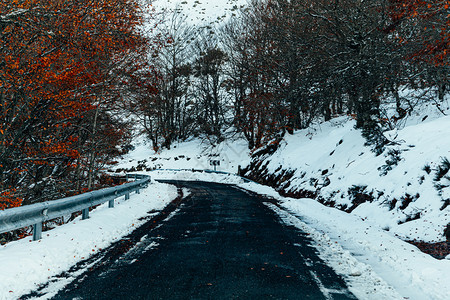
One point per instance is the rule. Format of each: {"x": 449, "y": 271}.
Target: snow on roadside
{"x": 363, "y": 282}
{"x": 375, "y": 263}
{"x": 194, "y": 176}
{"x": 359, "y": 250}
{"x": 193, "y": 154}
{"x": 398, "y": 188}
{"x": 26, "y": 264}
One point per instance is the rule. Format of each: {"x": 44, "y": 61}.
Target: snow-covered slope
{"x": 194, "y": 154}
{"x": 200, "y": 11}
{"x": 397, "y": 190}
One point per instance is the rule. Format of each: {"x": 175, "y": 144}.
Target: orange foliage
{"x": 8, "y": 200}
{"x": 56, "y": 64}
{"x": 434, "y": 19}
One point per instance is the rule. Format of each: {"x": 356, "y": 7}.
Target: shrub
{"x": 393, "y": 158}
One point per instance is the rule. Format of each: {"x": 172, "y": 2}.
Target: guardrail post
{"x": 37, "y": 231}
{"x": 85, "y": 214}
{"x": 127, "y": 196}
{"x": 111, "y": 203}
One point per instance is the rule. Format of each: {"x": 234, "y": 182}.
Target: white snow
{"x": 194, "y": 154}
{"x": 334, "y": 152}
{"x": 201, "y": 11}
{"x": 375, "y": 263}
{"x": 26, "y": 264}
{"x": 365, "y": 246}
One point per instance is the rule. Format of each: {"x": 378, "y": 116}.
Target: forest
{"x": 79, "y": 77}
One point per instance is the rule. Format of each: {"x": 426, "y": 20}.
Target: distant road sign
{"x": 214, "y": 163}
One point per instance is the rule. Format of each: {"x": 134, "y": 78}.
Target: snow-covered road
{"x": 220, "y": 242}
{"x": 374, "y": 263}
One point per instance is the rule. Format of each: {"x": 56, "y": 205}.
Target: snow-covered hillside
{"x": 404, "y": 190}
{"x": 199, "y": 11}
{"x": 194, "y": 154}
{"x": 382, "y": 200}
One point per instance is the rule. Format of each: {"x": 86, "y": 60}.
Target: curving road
{"x": 218, "y": 243}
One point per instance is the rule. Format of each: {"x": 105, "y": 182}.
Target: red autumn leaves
{"x": 59, "y": 64}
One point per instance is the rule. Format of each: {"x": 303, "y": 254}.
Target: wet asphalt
{"x": 219, "y": 242}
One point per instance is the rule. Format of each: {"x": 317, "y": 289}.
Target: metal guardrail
{"x": 246, "y": 180}
{"x": 35, "y": 214}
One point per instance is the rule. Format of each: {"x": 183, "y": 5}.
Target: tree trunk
{"x": 442, "y": 81}
{"x": 93, "y": 155}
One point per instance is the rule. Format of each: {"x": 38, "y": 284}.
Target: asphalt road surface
{"x": 217, "y": 243}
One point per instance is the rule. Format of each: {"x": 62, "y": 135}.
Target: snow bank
{"x": 194, "y": 154}
{"x": 331, "y": 159}
{"x": 195, "y": 176}
{"x": 26, "y": 264}
{"x": 375, "y": 263}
